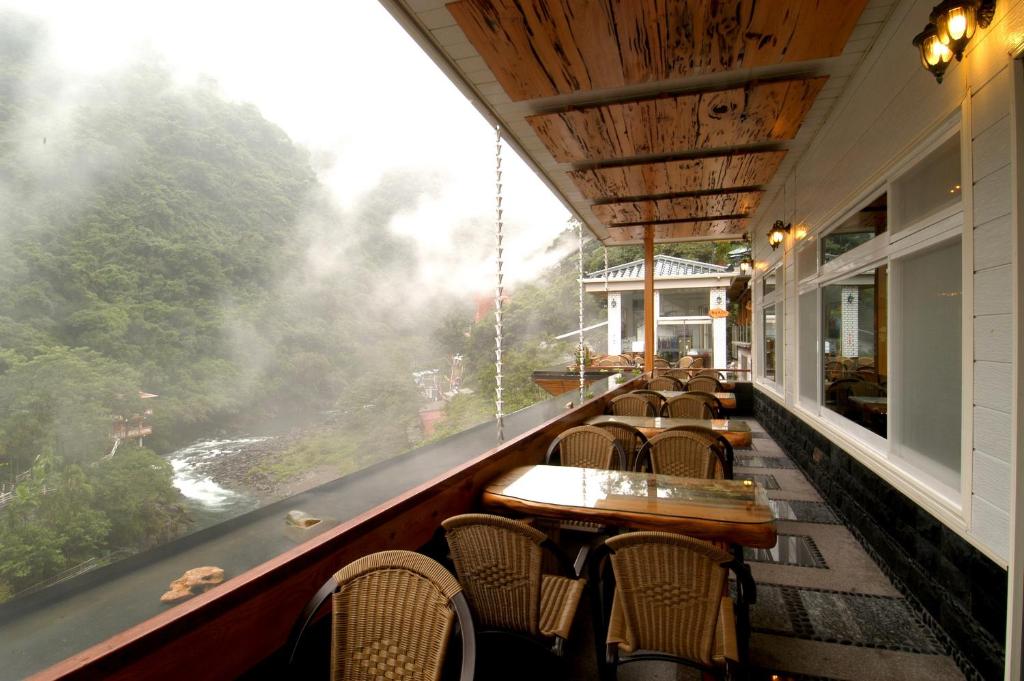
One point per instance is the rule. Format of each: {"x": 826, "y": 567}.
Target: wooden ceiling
{"x": 650, "y": 106}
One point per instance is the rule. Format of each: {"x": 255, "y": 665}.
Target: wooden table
{"x": 731, "y": 511}
{"x": 728, "y": 400}
{"x": 735, "y": 431}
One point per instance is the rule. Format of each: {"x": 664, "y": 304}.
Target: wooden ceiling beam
{"x": 708, "y": 173}
{"x": 545, "y": 48}
{"x": 762, "y": 112}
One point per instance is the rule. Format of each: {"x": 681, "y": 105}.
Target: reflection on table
{"x": 731, "y": 511}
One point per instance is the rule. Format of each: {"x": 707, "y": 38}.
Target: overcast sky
{"x": 343, "y": 78}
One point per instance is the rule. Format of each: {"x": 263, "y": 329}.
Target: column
{"x": 720, "y": 352}
{"x": 614, "y": 323}
{"x": 850, "y": 340}
{"x": 649, "y": 298}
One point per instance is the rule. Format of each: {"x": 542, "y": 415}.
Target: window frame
{"x": 777, "y": 298}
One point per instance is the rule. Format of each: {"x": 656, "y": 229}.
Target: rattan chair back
{"x": 653, "y": 396}
{"x": 631, "y": 405}
{"x": 587, "y": 447}
{"x": 393, "y": 615}
{"x": 722, "y": 447}
{"x": 712, "y": 373}
{"x": 630, "y": 439}
{"x": 681, "y": 375}
{"x": 682, "y": 453}
{"x": 668, "y": 595}
{"x": 707, "y": 384}
{"x": 498, "y": 562}
{"x": 698, "y": 363}
{"x": 685, "y": 361}
{"x": 687, "y": 406}
{"x": 661, "y": 363}
{"x": 664, "y": 383}
{"x": 714, "y": 404}
{"x": 866, "y": 389}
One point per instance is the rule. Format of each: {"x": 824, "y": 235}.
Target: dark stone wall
{"x": 962, "y": 591}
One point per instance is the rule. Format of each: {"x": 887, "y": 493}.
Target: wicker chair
{"x": 664, "y": 383}
{"x": 587, "y": 447}
{"x": 687, "y": 406}
{"x": 393, "y": 614}
{"x": 717, "y": 375}
{"x": 698, "y": 363}
{"x": 714, "y": 404}
{"x": 629, "y": 438}
{"x": 684, "y": 454}
{"x": 661, "y": 363}
{"x": 722, "y": 446}
{"x": 669, "y": 604}
{"x": 631, "y": 405}
{"x": 498, "y": 562}
{"x": 681, "y": 375}
{"x": 656, "y": 399}
{"x": 706, "y": 384}
{"x": 685, "y": 361}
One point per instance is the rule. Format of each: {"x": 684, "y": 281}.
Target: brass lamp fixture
{"x": 777, "y": 234}
{"x": 952, "y": 25}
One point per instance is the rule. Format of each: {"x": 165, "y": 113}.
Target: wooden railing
{"x": 233, "y": 627}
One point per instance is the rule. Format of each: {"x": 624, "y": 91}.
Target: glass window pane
{"x": 859, "y": 228}
{"x": 772, "y": 341}
{"x": 677, "y": 340}
{"x": 768, "y": 283}
{"x": 807, "y": 259}
{"x": 930, "y": 302}
{"x": 684, "y": 303}
{"x": 808, "y": 347}
{"x": 931, "y": 185}
{"x": 854, "y": 346}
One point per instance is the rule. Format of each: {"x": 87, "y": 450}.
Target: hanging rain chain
{"x": 499, "y": 413}
{"x": 606, "y": 272}
{"x": 579, "y": 262}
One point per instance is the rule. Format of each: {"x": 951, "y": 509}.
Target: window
{"x": 684, "y": 303}
{"x": 854, "y": 332}
{"x": 768, "y": 283}
{"x": 928, "y": 350}
{"x": 808, "y": 334}
{"x": 807, "y": 259}
{"x": 859, "y": 228}
{"x": 772, "y": 346}
{"x": 931, "y": 185}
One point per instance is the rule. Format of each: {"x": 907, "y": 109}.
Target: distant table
{"x": 735, "y": 431}
{"x": 875, "y": 405}
{"x": 731, "y": 511}
{"x": 728, "y": 400}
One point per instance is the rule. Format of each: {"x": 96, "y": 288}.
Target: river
{"x": 207, "y": 501}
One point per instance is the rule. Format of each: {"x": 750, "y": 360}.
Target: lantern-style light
{"x": 935, "y": 56}
{"x": 777, "y": 234}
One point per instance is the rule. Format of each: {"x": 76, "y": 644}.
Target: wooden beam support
{"x": 649, "y": 298}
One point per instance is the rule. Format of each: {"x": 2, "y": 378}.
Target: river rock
{"x": 301, "y": 519}
{"x": 196, "y": 580}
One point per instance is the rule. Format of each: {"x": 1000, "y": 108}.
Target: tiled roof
{"x": 664, "y": 266}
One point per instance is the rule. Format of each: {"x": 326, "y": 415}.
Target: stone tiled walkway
{"x": 824, "y": 609}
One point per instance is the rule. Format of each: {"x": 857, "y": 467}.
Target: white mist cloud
{"x": 343, "y": 79}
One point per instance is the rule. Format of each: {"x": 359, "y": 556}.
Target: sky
{"x": 342, "y": 78}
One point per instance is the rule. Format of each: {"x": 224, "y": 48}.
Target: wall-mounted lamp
{"x": 746, "y": 267}
{"x": 777, "y": 234}
{"x": 952, "y": 25}
{"x": 613, "y": 303}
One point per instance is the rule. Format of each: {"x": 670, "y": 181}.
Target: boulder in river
{"x": 301, "y": 519}
{"x": 194, "y": 581}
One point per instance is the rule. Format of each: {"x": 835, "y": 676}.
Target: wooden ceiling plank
{"x": 707, "y": 173}
{"x": 544, "y": 48}
{"x": 681, "y": 231}
{"x": 687, "y": 207}
{"x": 763, "y": 112}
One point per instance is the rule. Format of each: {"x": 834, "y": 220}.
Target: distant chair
{"x": 393, "y": 610}
{"x": 698, "y": 363}
{"x": 706, "y": 384}
{"x": 714, "y": 404}
{"x": 685, "y": 361}
{"x": 661, "y": 363}
{"x": 630, "y": 439}
{"x": 687, "y": 406}
{"x": 631, "y": 405}
{"x": 866, "y": 389}
{"x": 587, "y": 447}
{"x": 656, "y": 399}
{"x": 669, "y": 603}
{"x": 684, "y": 454}
{"x": 681, "y": 375}
{"x": 664, "y": 383}
{"x": 865, "y": 362}
{"x": 710, "y": 373}
{"x": 834, "y": 371}
{"x": 613, "y": 361}
{"x": 498, "y": 562}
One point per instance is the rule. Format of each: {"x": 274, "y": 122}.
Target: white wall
{"x": 889, "y": 108}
